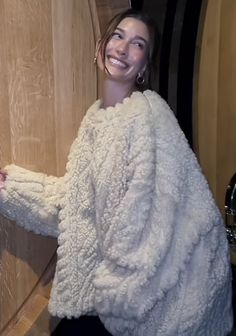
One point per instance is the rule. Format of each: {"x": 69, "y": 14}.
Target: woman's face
{"x": 127, "y": 51}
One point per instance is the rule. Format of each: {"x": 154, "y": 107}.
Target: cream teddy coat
{"x": 141, "y": 241}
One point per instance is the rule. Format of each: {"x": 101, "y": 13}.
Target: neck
{"x": 114, "y": 92}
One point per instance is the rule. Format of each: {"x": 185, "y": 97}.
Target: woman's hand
{"x": 3, "y": 176}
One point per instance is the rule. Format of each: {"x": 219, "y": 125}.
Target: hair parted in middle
{"x": 152, "y": 47}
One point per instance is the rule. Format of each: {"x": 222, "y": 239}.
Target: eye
{"x": 139, "y": 44}
{"x": 117, "y": 36}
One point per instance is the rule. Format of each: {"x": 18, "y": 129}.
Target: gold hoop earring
{"x": 95, "y": 60}
{"x": 140, "y": 79}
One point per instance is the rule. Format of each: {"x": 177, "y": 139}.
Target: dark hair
{"x": 154, "y": 41}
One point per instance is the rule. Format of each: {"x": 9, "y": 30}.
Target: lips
{"x": 116, "y": 62}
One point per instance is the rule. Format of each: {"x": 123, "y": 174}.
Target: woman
{"x": 141, "y": 241}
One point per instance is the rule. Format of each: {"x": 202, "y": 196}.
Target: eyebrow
{"x": 136, "y": 36}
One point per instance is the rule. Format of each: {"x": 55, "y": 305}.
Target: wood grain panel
{"x": 47, "y": 82}
{"x": 206, "y": 90}
{"x": 22, "y": 264}
{"x": 5, "y": 138}
{"x": 30, "y": 74}
{"x": 226, "y": 127}
{"x": 74, "y": 71}
{"x": 215, "y": 103}
{"x": 107, "y": 9}
{"x": 29, "y": 134}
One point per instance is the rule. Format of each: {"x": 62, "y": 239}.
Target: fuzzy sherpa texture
{"x": 141, "y": 241}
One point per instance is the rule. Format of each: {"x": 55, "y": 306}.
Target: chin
{"x": 120, "y": 76}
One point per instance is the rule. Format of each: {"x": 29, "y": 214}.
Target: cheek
{"x": 110, "y": 46}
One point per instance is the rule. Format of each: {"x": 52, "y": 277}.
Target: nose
{"x": 122, "y": 48}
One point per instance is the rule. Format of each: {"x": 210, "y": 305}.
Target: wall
{"x": 215, "y": 99}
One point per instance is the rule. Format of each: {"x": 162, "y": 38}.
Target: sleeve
{"x": 152, "y": 233}
{"x": 32, "y": 199}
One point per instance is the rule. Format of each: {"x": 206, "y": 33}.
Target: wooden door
{"x": 47, "y": 82}
{"x": 215, "y": 98}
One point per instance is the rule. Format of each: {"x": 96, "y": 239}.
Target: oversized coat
{"x": 141, "y": 241}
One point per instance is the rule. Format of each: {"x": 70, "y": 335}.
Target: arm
{"x": 32, "y": 199}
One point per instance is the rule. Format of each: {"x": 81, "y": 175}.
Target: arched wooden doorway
{"x": 47, "y": 82}
{"x": 215, "y": 99}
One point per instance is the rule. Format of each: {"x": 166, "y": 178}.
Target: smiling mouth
{"x": 117, "y": 62}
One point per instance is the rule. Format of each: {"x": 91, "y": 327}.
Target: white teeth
{"x": 117, "y": 62}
